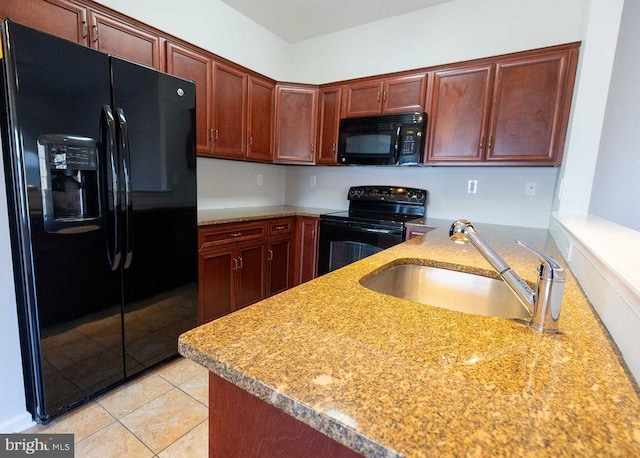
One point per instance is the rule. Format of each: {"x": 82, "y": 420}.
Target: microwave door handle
{"x": 398, "y": 145}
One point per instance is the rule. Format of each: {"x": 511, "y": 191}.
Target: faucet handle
{"x": 549, "y": 267}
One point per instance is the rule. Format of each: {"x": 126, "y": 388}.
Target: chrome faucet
{"x": 544, "y": 303}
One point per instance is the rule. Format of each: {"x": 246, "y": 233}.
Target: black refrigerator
{"x": 100, "y": 167}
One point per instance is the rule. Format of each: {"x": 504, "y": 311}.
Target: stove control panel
{"x": 394, "y": 194}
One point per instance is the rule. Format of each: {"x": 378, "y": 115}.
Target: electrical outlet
{"x": 531, "y": 189}
{"x": 260, "y": 180}
{"x": 472, "y": 186}
{"x": 312, "y": 181}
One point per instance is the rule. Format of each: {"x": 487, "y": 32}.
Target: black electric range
{"x": 375, "y": 220}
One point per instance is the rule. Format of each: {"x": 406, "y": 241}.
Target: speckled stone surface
{"x": 240, "y": 214}
{"x": 388, "y": 377}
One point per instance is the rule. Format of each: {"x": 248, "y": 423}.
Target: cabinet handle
{"x": 235, "y": 263}
{"x": 490, "y": 145}
{"x": 240, "y": 262}
{"x": 214, "y": 133}
{"x": 85, "y": 29}
{"x": 313, "y": 148}
{"x": 313, "y": 233}
{"x": 250, "y": 141}
{"x": 378, "y": 96}
{"x": 481, "y": 143}
{"x": 95, "y": 33}
{"x": 384, "y": 96}
{"x": 236, "y": 234}
{"x": 278, "y": 228}
{"x": 270, "y": 255}
{"x": 333, "y": 147}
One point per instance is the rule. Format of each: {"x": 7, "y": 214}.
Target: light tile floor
{"x": 161, "y": 414}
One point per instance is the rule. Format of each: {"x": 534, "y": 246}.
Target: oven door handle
{"x": 378, "y": 231}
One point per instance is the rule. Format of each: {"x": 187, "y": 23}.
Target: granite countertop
{"x": 389, "y": 377}
{"x": 240, "y": 214}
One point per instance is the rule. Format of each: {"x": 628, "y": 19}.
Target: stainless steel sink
{"x": 449, "y": 289}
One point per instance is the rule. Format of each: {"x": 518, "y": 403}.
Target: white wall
{"x": 13, "y": 417}
{"x": 615, "y": 195}
{"x": 500, "y": 198}
{"x": 213, "y": 25}
{"x": 445, "y": 33}
{"x": 601, "y": 23}
{"x": 224, "y": 183}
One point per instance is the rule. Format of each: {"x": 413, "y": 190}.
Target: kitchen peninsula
{"x": 388, "y": 377}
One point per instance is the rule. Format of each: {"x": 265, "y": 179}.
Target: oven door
{"x": 343, "y": 242}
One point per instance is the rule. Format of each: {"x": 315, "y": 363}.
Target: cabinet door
{"x": 404, "y": 94}
{"x": 278, "y": 265}
{"x": 62, "y": 18}
{"x": 229, "y": 100}
{"x": 306, "y": 249}
{"x": 122, "y": 40}
{"x": 363, "y": 99}
{"x": 261, "y": 100}
{"x": 329, "y": 124}
{"x": 296, "y": 112}
{"x": 527, "y": 106}
{"x": 250, "y": 274}
{"x": 459, "y": 112}
{"x": 191, "y": 65}
{"x": 216, "y": 283}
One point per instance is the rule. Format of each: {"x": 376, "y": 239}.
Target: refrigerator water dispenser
{"x": 69, "y": 175}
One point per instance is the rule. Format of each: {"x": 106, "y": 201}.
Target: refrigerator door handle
{"x": 114, "y": 252}
{"x": 126, "y": 164}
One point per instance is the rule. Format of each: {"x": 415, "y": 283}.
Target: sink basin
{"x": 449, "y": 289}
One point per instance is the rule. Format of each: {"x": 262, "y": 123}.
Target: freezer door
{"x": 68, "y": 294}
{"x": 155, "y": 113}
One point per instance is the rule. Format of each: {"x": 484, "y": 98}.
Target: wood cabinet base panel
{"x": 241, "y": 426}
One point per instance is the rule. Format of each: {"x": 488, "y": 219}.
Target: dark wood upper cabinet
{"x": 122, "y": 40}
{"x": 63, "y": 18}
{"x": 329, "y": 106}
{"x": 404, "y": 94}
{"x": 458, "y": 115}
{"x": 511, "y": 109}
{"x": 508, "y": 111}
{"x": 260, "y": 113}
{"x": 391, "y": 95}
{"x": 364, "y": 98}
{"x": 528, "y": 102}
{"x": 229, "y": 102}
{"x": 189, "y": 64}
{"x": 296, "y": 114}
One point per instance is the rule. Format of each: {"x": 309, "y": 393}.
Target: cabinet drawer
{"x": 280, "y": 226}
{"x": 216, "y": 235}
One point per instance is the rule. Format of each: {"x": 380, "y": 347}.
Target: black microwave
{"x": 382, "y": 140}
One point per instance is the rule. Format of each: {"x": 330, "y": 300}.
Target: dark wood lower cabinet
{"x": 249, "y": 269}
{"x": 242, "y": 425}
{"x": 306, "y": 249}
{"x": 279, "y": 255}
{"x": 242, "y": 263}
